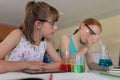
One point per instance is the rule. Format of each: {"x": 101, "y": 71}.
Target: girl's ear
{"x": 37, "y": 24}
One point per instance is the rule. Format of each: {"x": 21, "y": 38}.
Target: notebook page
{"x": 78, "y": 76}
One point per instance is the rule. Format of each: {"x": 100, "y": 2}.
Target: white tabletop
{"x": 109, "y": 77}
{"x": 20, "y": 75}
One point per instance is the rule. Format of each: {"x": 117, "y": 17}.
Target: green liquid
{"x": 77, "y": 68}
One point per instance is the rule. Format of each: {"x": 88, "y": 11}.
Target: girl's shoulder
{"x": 64, "y": 40}
{"x": 14, "y": 36}
{"x": 65, "y": 37}
{"x": 17, "y": 32}
{"x": 12, "y": 40}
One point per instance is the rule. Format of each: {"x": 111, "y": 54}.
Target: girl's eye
{"x": 91, "y": 33}
{"x": 52, "y": 23}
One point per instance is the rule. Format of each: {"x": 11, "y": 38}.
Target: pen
{"x": 109, "y": 74}
{"x": 51, "y": 76}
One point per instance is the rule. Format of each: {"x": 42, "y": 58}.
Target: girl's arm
{"x": 5, "y": 47}
{"x": 9, "y": 43}
{"x": 64, "y": 45}
{"x": 93, "y": 65}
{"x": 51, "y": 51}
{"x": 89, "y": 56}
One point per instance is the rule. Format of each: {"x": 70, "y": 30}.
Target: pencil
{"x": 50, "y": 76}
{"x": 109, "y": 74}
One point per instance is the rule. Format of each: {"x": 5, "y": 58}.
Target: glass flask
{"x": 66, "y": 63}
{"x": 105, "y": 60}
{"x": 77, "y": 64}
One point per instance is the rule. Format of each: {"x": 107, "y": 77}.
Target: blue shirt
{"x": 72, "y": 47}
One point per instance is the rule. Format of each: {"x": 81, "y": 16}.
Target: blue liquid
{"x": 105, "y": 63}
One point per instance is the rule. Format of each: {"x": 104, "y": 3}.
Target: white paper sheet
{"x": 115, "y": 71}
{"x": 78, "y": 76}
{"x": 20, "y": 75}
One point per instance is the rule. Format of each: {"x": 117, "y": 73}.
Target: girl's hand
{"x": 111, "y": 67}
{"x": 91, "y": 40}
{"x": 35, "y": 65}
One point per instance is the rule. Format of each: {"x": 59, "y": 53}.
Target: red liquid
{"x": 66, "y": 67}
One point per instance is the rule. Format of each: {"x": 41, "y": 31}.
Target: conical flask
{"x": 105, "y": 60}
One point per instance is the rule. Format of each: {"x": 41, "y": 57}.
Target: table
{"x": 109, "y": 77}
{"x": 19, "y": 75}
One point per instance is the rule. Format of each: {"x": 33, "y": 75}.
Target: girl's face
{"x": 90, "y": 31}
{"x": 48, "y": 29}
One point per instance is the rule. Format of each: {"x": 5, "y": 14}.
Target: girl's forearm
{"x": 95, "y": 66}
{"x": 8, "y": 66}
{"x": 83, "y": 51}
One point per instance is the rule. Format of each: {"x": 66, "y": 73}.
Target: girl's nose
{"x": 55, "y": 27}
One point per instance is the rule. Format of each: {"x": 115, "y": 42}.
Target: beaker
{"x": 77, "y": 63}
{"x": 66, "y": 62}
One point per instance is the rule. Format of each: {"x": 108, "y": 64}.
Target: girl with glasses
{"x": 82, "y": 40}
{"x": 26, "y": 46}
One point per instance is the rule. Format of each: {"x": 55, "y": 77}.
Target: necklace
{"x": 83, "y": 43}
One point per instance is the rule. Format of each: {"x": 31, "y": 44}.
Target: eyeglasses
{"x": 91, "y": 31}
{"x": 49, "y": 21}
